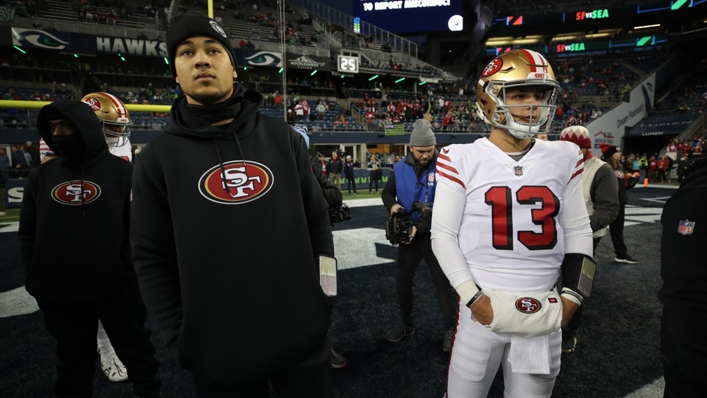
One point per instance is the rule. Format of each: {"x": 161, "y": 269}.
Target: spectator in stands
{"x": 321, "y": 110}
{"x": 141, "y": 35}
{"x": 448, "y": 121}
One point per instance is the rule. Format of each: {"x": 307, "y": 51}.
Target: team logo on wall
{"x": 237, "y": 183}
{"x": 36, "y": 38}
{"x": 686, "y": 227}
{"x": 528, "y": 305}
{"x": 71, "y": 193}
{"x": 264, "y": 58}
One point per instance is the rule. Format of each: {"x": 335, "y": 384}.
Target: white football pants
{"x": 476, "y": 355}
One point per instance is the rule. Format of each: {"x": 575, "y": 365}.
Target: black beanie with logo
{"x": 192, "y": 24}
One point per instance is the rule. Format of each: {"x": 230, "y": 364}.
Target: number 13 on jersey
{"x": 500, "y": 198}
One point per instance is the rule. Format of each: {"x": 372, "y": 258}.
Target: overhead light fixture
{"x": 656, "y": 25}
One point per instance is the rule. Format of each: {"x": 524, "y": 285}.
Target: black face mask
{"x": 223, "y": 110}
{"x": 69, "y": 147}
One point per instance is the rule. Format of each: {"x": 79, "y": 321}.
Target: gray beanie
{"x": 191, "y": 24}
{"x": 422, "y": 134}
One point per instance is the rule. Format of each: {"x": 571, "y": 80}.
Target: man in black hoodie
{"x": 74, "y": 241}
{"x": 229, "y": 229}
{"x": 684, "y": 292}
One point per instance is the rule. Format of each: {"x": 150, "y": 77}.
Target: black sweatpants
{"x": 616, "y": 230}
{"x": 409, "y": 257}
{"x": 74, "y": 330}
{"x": 311, "y": 378}
{"x": 351, "y": 183}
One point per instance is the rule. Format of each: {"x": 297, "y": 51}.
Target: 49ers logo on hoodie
{"x": 70, "y": 193}
{"x": 239, "y": 182}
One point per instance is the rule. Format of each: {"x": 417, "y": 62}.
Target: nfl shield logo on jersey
{"x": 518, "y": 170}
{"x": 686, "y": 227}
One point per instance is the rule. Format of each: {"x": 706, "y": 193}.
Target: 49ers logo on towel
{"x": 243, "y": 182}
{"x": 528, "y": 305}
{"x": 70, "y": 193}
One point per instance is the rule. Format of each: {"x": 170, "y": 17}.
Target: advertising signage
{"x": 583, "y": 46}
{"x": 591, "y": 14}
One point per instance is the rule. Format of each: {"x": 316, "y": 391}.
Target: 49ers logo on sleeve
{"x": 493, "y": 67}
{"x": 70, "y": 193}
{"x": 528, "y": 305}
{"x": 243, "y": 182}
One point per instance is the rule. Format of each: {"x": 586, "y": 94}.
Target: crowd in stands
{"x": 448, "y": 115}
{"x": 27, "y": 8}
{"x": 391, "y": 64}
{"x": 657, "y": 168}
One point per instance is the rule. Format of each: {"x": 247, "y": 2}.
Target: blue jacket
{"x": 415, "y": 184}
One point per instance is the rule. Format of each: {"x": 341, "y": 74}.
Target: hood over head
{"x": 87, "y": 127}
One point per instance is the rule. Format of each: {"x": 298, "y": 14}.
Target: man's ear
{"x": 176, "y": 79}
{"x": 235, "y": 74}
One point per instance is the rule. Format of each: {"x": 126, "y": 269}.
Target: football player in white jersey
{"x": 509, "y": 220}
{"x": 115, "y": 122}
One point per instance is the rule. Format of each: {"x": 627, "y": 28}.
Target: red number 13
{"x": 499, "y": 198}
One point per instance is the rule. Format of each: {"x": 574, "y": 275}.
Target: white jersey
{"x": 124, "y": 152}
{"x": 518, "y": 218}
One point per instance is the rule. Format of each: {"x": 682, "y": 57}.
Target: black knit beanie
{"x": 191, "y": 24}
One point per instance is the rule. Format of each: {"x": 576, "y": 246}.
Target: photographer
{"x": 412, "y": 180}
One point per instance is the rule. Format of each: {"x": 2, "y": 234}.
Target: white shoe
{"x": 114, "y": 370}
{"x": 2, "y": 213}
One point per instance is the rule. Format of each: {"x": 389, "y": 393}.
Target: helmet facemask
{"x": 540, "y": 113}
{"x": 119, "y": 136}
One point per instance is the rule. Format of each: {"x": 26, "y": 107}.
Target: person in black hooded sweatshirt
{"x": 229, "y": 227}
{"x": 684, "y": 292}
{"x": 74, "y": 243}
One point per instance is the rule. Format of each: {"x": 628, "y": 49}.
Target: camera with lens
{"x": 343, "y": 213}
{"x": 398, "y": 227}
